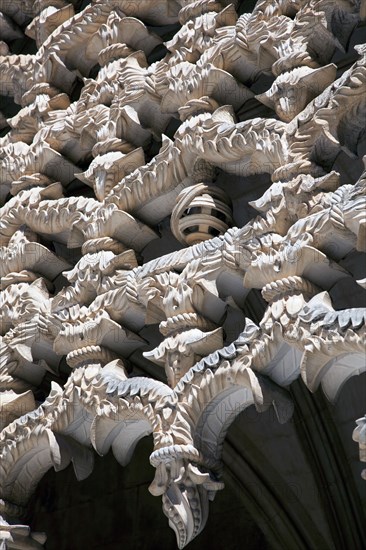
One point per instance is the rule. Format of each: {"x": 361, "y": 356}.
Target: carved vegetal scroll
{"x": 123, "y": 131}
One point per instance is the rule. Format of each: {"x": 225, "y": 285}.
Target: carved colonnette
{"x": 310, "y": 226}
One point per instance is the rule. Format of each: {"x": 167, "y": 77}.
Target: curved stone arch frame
{"x": 101, "y": 435}
{"x": 225, "y": 371}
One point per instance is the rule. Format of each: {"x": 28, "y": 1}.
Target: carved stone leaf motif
{"x": 88, "y": 178}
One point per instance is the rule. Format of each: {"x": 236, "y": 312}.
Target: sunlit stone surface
{"x": 182, "y": 256}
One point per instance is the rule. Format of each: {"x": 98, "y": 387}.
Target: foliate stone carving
{"x": 14, "y": 405}
{"x": 120, "y": 128}
{"x": 293, "y": 90}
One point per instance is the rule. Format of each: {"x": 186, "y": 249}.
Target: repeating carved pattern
{"x": 122, "y": 123}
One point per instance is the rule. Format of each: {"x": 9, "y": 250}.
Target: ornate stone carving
{"x": 201, "y": 212}
{"x": 123, "y": 132}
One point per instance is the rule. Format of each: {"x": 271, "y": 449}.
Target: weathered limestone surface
{"x": 147, "y": 120}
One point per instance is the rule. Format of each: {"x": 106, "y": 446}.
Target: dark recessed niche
{"x": 166, "y": 32}
{"x": 77, "y": 188}
{"x": 246, "y": 6}
{"x": 172, "y": 127}
{"x": 346, "y": 294}
{"x": 164, "y": 245}
{"x": 158, "y": 53}
{"x": 93, "y": 73}
{"x": 242, "y": 190}
{"x": 8, "y": 107}
{"x": 81, "y": 4}
{"x": 24, "y": 45}
{"x": 76, "y": 91}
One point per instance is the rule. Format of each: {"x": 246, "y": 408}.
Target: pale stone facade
{"x": 156, "y": 118}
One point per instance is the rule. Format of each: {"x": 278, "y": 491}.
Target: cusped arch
{"x": 212, "y": 399}
{"x": 100, "y": 409}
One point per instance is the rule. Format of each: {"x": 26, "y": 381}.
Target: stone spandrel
{"x": 139, "y": 121}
